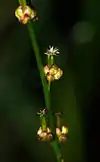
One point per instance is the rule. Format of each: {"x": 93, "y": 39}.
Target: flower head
{"x": 52, "y": 72}
{"x": 44, "y": 135}
{"x": 58, "y": 75}
{"x": 25, "y": 13}
{"x": 62, "y": 134}
{"x": 52, "y": 51}
{"x": 64, "y": 130}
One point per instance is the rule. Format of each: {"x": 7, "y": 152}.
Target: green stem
{"x": 55, "y": 143}
{"x": 39, "y": 64}
{"x": 49, "y": 84}
{"x": 43, "y": 123}
{"x": 22, "y": 2}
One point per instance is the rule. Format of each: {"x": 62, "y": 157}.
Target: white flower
{"x": 42, "y": 112}
{"x": 52, "y": 51}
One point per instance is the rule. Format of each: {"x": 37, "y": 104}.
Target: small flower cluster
{"x": 25, "y": 14}
{"x": 47, "y": 135}
{"x": 62, "y": 134}
{"x": 52, "y": 72}
{"x": 44, "y": 135}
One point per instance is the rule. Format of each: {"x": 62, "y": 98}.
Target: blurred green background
{"x": 74, "y": 28}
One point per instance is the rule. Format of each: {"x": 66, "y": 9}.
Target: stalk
{"x": 46, "y": 87}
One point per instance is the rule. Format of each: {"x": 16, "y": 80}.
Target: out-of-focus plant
{"x": 48, "y": 131}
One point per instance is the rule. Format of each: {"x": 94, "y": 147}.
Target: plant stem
{"x": 39, "y": 64}
{"x": 49, "y": 85}
{"x": 55, "y": 143}
{"x": 22, "y": 2}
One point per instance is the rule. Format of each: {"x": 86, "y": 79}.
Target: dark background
{"x": 73, "y": 27}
